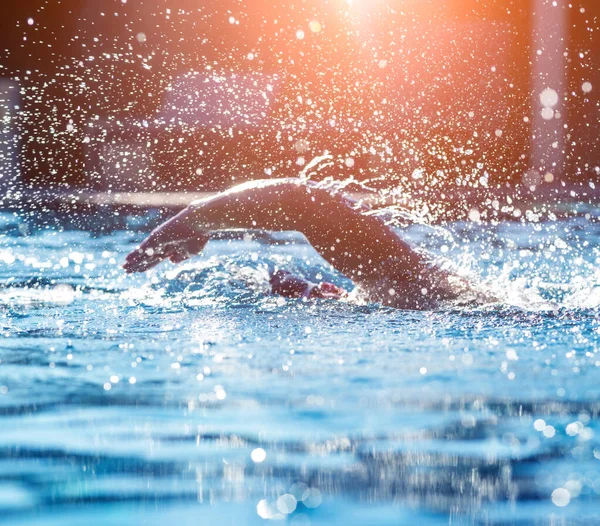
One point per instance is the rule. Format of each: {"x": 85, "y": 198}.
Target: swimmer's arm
{"x": 245, "y": 206}
{"x": 351, "y": 241}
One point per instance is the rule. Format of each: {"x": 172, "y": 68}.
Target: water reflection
{"x": 183, "y": 396}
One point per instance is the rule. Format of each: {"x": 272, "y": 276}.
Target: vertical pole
{"x": 9, "y": 143}
{"x": 549, "y": 85}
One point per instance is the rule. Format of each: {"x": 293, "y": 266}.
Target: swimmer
{"x": 360, "y": 246}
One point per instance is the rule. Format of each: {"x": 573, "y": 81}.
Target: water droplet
{"x": 286, "y": 504}
{"x": 258, "y": 455}
{"x": 561, "y": 497}
{"x": 549, "y": 98}
{"x": 315, "y": 26}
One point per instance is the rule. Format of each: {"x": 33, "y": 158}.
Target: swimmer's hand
{"x": 327, "y": 291}
{"x": 174, "y": 240}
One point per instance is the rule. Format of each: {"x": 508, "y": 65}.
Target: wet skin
{"x": 360, "y": 246}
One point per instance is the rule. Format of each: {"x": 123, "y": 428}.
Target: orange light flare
{"x": 443, "y": 58}
{"x": 420, "y": 83}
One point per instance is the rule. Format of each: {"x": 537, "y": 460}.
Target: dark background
{"x": 428, "y": 95}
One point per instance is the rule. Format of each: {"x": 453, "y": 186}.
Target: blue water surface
{"x": 191, "y": 395}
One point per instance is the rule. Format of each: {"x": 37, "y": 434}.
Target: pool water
{"x": 190, "y": 394}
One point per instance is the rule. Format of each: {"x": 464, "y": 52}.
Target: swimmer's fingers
{"x": 150, "y": 253}
{"x": 141, "y": 260}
